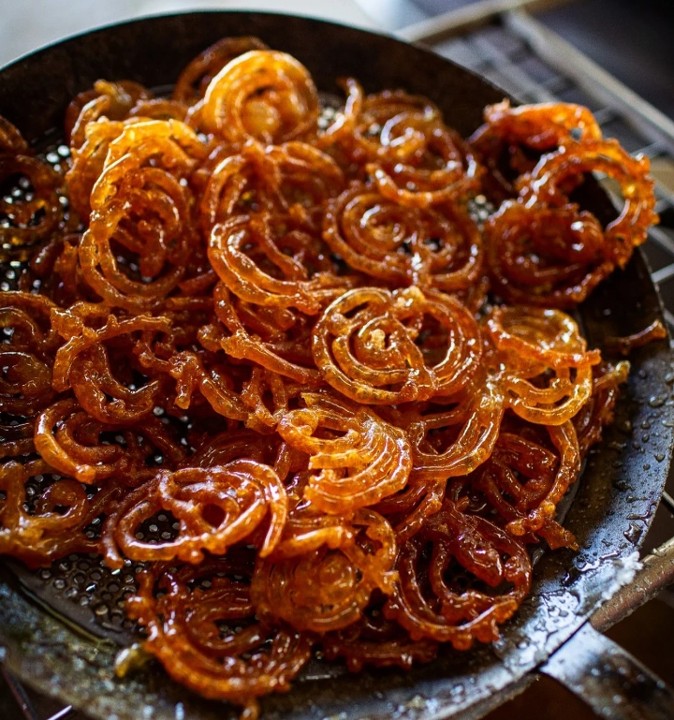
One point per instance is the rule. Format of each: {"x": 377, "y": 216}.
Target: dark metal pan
{"x": 59, "y": 647}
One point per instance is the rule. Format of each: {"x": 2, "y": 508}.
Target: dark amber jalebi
{"x": 265, "y": 349}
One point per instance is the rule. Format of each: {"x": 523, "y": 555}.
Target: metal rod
{"x": 468, "y": 17}
{"x": 659, "y": 276}
{"x": 656, "y": 574}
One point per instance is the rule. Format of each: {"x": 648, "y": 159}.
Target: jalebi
{"x": 262, "y": 350}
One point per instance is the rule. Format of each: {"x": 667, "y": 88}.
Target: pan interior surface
{"x": 62, "y": 627}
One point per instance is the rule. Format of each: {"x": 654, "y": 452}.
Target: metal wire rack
{"x": 504, "y": 42}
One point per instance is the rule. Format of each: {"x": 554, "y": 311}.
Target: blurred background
{"x": 615, "y": 56}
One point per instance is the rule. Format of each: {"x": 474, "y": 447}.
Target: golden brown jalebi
{"x": 526, "y": 476}
{"x": 547, "y": 375}
{"x": 451, "y": 440}
{"x": 365, "y": 461}
{"x": 401, "y": 141}
{"x": 431, "y": 601}
{"x": 542, "y": 248}
{"x": 54, "y": 521}
{"x": 293, "y": 588}
{"x": 233, "y": 499}
{"x": 381, "y": 347}
{"x": 278, "y": 342}
{"x": 551, "y": 257}
{"x": 291, "y": 180}
{"x": 27, "y": 353}
{"x": 144, "y": 207}
{"x": 262, "y": 94}
{"x": 74, "y": 443}
{"x": 93, "y": 120}
{"x": 510, "y": 135}
{"x": 198, "y": 73}
{"x": 284, "y": 253}
{"x": 547, "y": 183}
{"x": 264, "y": 350}
{"x": 400, "y": 245}
{"x": 207, "y": 634}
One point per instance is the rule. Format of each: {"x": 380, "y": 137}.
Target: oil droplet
{"x": 656, "y": 401}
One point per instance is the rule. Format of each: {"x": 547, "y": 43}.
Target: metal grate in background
{"x": 518, "y": 53}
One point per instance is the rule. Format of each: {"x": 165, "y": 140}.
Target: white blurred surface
{"x": 26, "y": 25}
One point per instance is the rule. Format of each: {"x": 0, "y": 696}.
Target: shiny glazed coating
{"x": 263, "y": 350}
{"x": 541, "y": 246}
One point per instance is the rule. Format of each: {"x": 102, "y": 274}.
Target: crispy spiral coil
{"x": 327, "y": 588}
{"x": 549, "y": 371}
{"x": 527, "y": 474}
{"x": 232, "y": 500}
{"x": 263, "y": 94}
{"x": 547, "y": 181}
{"x": 402, "y": 245}
{"x": 510, "y": 136}
{"x": 401, "y": 142}
{"x": 428, "y": 603}
{"x": 144, "y": 208}
{"x": 551, "y": 257}
{"x": 55, "y": 525}
{"x": 280, "y": 348}
{"x": 369, "y": 346}
{"x": 26, "y": 352}
{"x": 184, "y": 630}
{"x": 198, "y": 73}
{"x": 84, "y": 363}
{"x": 32, "y": 218}
{"x": 74, "y": 443}
{"x": 360, "y": 458}
{"x": 292, "y": 181}
{"x": 242, "y": 246}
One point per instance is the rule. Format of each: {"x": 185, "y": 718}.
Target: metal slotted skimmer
{"x": 62, "y": 627}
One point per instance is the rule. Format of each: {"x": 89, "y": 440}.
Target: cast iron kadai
{"x": 58, "y": 647}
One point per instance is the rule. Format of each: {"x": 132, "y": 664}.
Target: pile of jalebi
{"x": 280, "y": 326}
